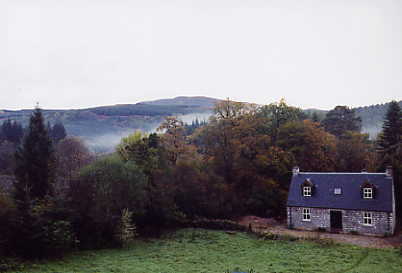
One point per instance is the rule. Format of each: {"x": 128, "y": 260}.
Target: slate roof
{"x": 350, "y": 183}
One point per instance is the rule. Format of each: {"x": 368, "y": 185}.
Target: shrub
{"x": 126, "y": 230}
{"x": 325, "y": 242}
{"x": 270, "y": 236}
{"x": 10, "y": 263}
{"x": 39, "y": 231}
{"x": 7, "y": 214}
{"x": 273, "y": 236}
{"x": 354, "y": 232}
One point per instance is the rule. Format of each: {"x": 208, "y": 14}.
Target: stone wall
{"x": 352, "y": 221}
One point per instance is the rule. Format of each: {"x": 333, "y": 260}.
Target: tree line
{"x": 237, "y": 163}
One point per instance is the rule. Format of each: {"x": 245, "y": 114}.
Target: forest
{"x": 56, "y": 195}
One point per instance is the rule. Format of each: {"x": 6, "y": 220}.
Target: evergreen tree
{"x": 34, "y": 162}
{"x": 390, "y": 149}
{"x": 58, "y": 132}
{"x": 340, "y": 120}
{"x": 12, "y": 131}
{"x": 314, "y": 117}
{"x": 390, "y": 139}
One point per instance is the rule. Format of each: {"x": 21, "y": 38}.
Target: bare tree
{"x": 71, "y": 155}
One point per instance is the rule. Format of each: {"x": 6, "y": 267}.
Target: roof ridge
{"x": 338, "y": 173}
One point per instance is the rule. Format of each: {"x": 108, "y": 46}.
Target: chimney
{"x": 296, "y": 170}
{"x": 388, "y": 171}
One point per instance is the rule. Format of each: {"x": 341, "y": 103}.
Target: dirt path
{"x": 269, "y": 225}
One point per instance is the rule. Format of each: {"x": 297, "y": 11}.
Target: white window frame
{"x": 306, "y": 214}
{"x": 307, "y": 191}
{"x": 367, "y": 218}
{"x": 368, "y": 193}
{"x": 338, "y": 191}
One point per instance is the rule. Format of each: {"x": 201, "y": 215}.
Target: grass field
{"x": 197, "y": 250}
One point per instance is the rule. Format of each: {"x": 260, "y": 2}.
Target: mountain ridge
{"x": 109, "y": 123}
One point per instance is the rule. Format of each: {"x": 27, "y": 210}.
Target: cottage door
{"x": 336, "y": 219}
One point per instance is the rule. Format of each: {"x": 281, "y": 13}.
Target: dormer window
{"x": 306, "y": 191}
{"x": 368, "y": 193}
{"x": 307, "y": 188}
{"x": 368, "y": 190}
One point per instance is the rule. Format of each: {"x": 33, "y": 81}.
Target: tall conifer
{"x": 390, "y": 138}
{"x": 34, "y": 162}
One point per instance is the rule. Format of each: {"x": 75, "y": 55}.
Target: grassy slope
{"x": 212, "y": 251}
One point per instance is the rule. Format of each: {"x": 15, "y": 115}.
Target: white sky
{"x": 314, "y": 53}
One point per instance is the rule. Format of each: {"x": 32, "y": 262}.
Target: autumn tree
{"x": 277, "y": 114}
{"x": 71, "y": 156}
{"x": 174, "y": 140}
{"x": 354, "y": 153}
{"x": 220, "y": 136}
{"x": 313, "y": 148}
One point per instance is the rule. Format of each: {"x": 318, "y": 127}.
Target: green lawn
{"x": 197, "y": 250}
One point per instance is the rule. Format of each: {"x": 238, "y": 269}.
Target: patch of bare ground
{"x": 258, "y": 224}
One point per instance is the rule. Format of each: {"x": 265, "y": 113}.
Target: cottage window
{"x": 337, "y": 191}
{"x": 306, "y": 191}
{"x": 367, "y": 219}
{"x": 368, "y": 193}
{"x": 306, "y": 214}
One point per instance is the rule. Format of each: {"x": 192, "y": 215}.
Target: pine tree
{"x": 12, "y": 131}
{"x": 314, "y": 117}
{"x": 390, "y": 148}
{"x": 34, "y": 162}
{"x": 340, "y": 120}
{"x": 58, "y": 132}
{"x": 390, "y": 139}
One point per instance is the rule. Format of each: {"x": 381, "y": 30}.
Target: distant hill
{"x": 103, "y": 127}
{"x": 201, "y": 102}
{"x": 373, "y": 117}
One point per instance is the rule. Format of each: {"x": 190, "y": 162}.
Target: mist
{"x": 107, "y": 142}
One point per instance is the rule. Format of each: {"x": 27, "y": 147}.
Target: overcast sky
{"x": 313, "y": 53}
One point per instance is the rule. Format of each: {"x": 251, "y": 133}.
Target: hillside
{"x": 103, "y": 127}
{"x": 373, "y": 117}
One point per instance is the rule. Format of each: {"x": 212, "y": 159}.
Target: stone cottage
{"x": 342, "y": 202}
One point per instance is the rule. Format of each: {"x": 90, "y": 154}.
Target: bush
{"x": 325, "y": 242}
{"x": 273, "y": 236}
{"x": 7, "y": 214}
{"x": 11, "y": 263}
{"x": 126, "y": 231}
{"x": 39, "y": 231}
